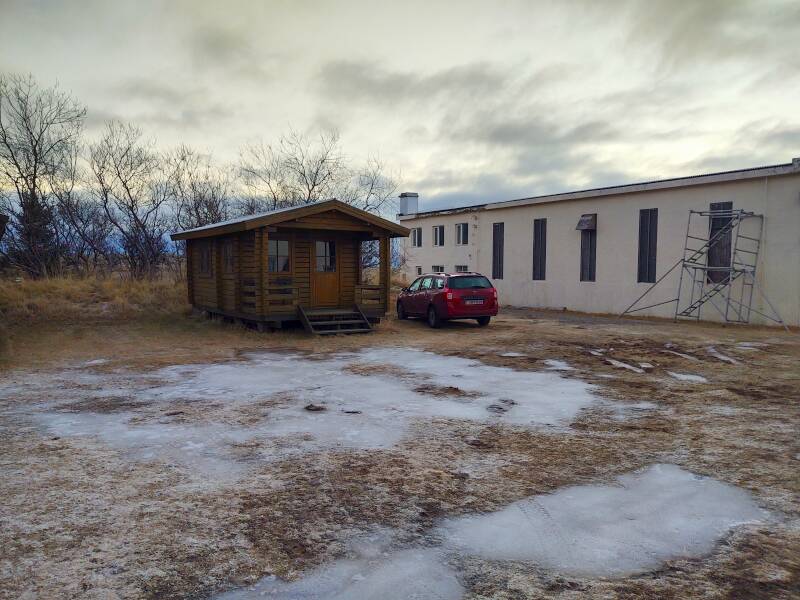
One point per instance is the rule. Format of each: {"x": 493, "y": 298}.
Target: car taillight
{"x": 449, "y": 293}
{"x": 494, "y": 293}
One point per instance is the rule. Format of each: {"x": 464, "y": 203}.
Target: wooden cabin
{"x": 293, "y": 264}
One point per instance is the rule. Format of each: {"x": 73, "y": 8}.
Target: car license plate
{"x": 474, "y": 302}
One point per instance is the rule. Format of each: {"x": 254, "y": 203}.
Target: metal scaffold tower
{"x": 718, "y": 267}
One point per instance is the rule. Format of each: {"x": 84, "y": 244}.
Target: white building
{"x": 599, "y": 250}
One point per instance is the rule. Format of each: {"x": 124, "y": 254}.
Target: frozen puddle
{"x": 630, "y": 527}
{"x": 609, "y": 530}
{"x": 256, "y": 409}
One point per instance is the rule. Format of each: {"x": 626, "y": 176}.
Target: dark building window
{"x": 539, "y": 248}
{"x": 462, "y": 269}
{"x": 497, "y": 250}
{"x": 416, "y": 237}
{"x": 419, "y": 270}
{"x": 438, "y": 235}
{"x": 462, "y": 234}
{"x": 588, "y": 254}
{"x": 437, "y": 268}
{"x": 278, "y": 252}
{"x": 648, "y": 242}
{"x": 587, "y": 225}
{"x": 719, "y": 251}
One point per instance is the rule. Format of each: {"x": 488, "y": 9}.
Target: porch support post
{"x": 385, "y": 272}
{"x": 258, "y": 272}
{"x": 237, "y": 273}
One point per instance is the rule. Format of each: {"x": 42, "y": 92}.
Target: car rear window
{"x": 468, "y": 282}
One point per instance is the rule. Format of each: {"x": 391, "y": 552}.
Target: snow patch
{"x": 688, "y": 377}
{"x": 558, "y": 365}
{"x": 682, "y": 355}
{"x": 608, "y": 530}
{"x": 621, "y": 365}
{"x": 719, "y": 356}
{"x": 513, "y": 354}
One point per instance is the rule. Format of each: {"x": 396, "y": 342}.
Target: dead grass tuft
{"x": 68, "y": 298}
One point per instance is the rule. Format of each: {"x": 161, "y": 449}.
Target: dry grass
{"x": 71, "y": 299}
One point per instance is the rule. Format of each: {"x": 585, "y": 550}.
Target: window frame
{"x": 418, "y": 270}
{"x": 416, "y": 237}
{"x": 330, "y": 256}
{"x": 277, "y": 255}
{"x": 437, "y": 269}
{"x": 462, "y": 234}
{"x": 461, "y": 268}
{"x": 438, "y": 236}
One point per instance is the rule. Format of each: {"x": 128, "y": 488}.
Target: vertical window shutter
{"x": 652, "y": 239}
{"x": 644, "y": 229}
{"x": 539, "y": 248}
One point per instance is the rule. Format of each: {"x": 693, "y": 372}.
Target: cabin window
{"x": 438, "y": 235}
{"x": 416, "y": 237}
{"x": 326, "y": 257}
{"x": 278, "y": 253}
{"x": 205, "y": 258}
{"x": 462, "y": 234}
{"x": 648, "y": 239}
{"x": 498, "y": 243}
{"x": 437, "y": 268}
{"x": 539, "y": 248}
{"x": 227, "y": 256}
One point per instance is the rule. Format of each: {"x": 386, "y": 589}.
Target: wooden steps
{"x": 330, "y": 321}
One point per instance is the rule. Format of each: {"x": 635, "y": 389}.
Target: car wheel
{"x": 401, "y": 312}
{"x": 483, "y": 321}
{"x": 433, "y": 318}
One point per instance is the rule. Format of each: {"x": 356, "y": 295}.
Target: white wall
{"x": 777, "y": 198}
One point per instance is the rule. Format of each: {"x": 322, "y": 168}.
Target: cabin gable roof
{"x": 300, "y": 216}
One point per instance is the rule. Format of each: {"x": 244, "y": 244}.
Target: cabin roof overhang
{"x": 283, "y": 215}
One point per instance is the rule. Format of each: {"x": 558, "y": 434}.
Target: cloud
{"x": 229, "y": 51}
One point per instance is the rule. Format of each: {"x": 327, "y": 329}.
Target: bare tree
{"x": 39, "y": 129}
{"x": 129, "y": 180}
{"x": 201, "y": 192}
{"x": 301, "y": 169}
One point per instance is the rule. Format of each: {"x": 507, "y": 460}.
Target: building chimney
{"x": 409, "y": 203}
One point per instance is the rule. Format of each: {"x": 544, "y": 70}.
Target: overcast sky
{"x": 467, "y": 101}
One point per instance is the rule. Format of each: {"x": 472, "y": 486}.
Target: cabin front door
{"x": 325, "y": 274}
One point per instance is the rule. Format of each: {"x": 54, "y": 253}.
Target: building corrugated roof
{"x": 642, "y": 186}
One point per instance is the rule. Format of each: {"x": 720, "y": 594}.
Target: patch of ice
{"x": 406, "y": 575}
{"x": 608, "y": 530}
{"x": 646, "y": 365}
{"x": 682, "y": 355}
{"x": 95, "y": 362}
{"x": 372, "y": 572}
{"x": 596, "y": 351}
{"x": 558, "y": 365}
{"x": 513, "y": 354}
{"x": 751, "y": 346}
{"x": 621, "y": 365}
{"x": 688, "y": 377}
{"x": 255, "y": 406}
{"x": 719, "y": 356}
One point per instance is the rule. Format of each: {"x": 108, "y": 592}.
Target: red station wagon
{"x": 442, "y": 296}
